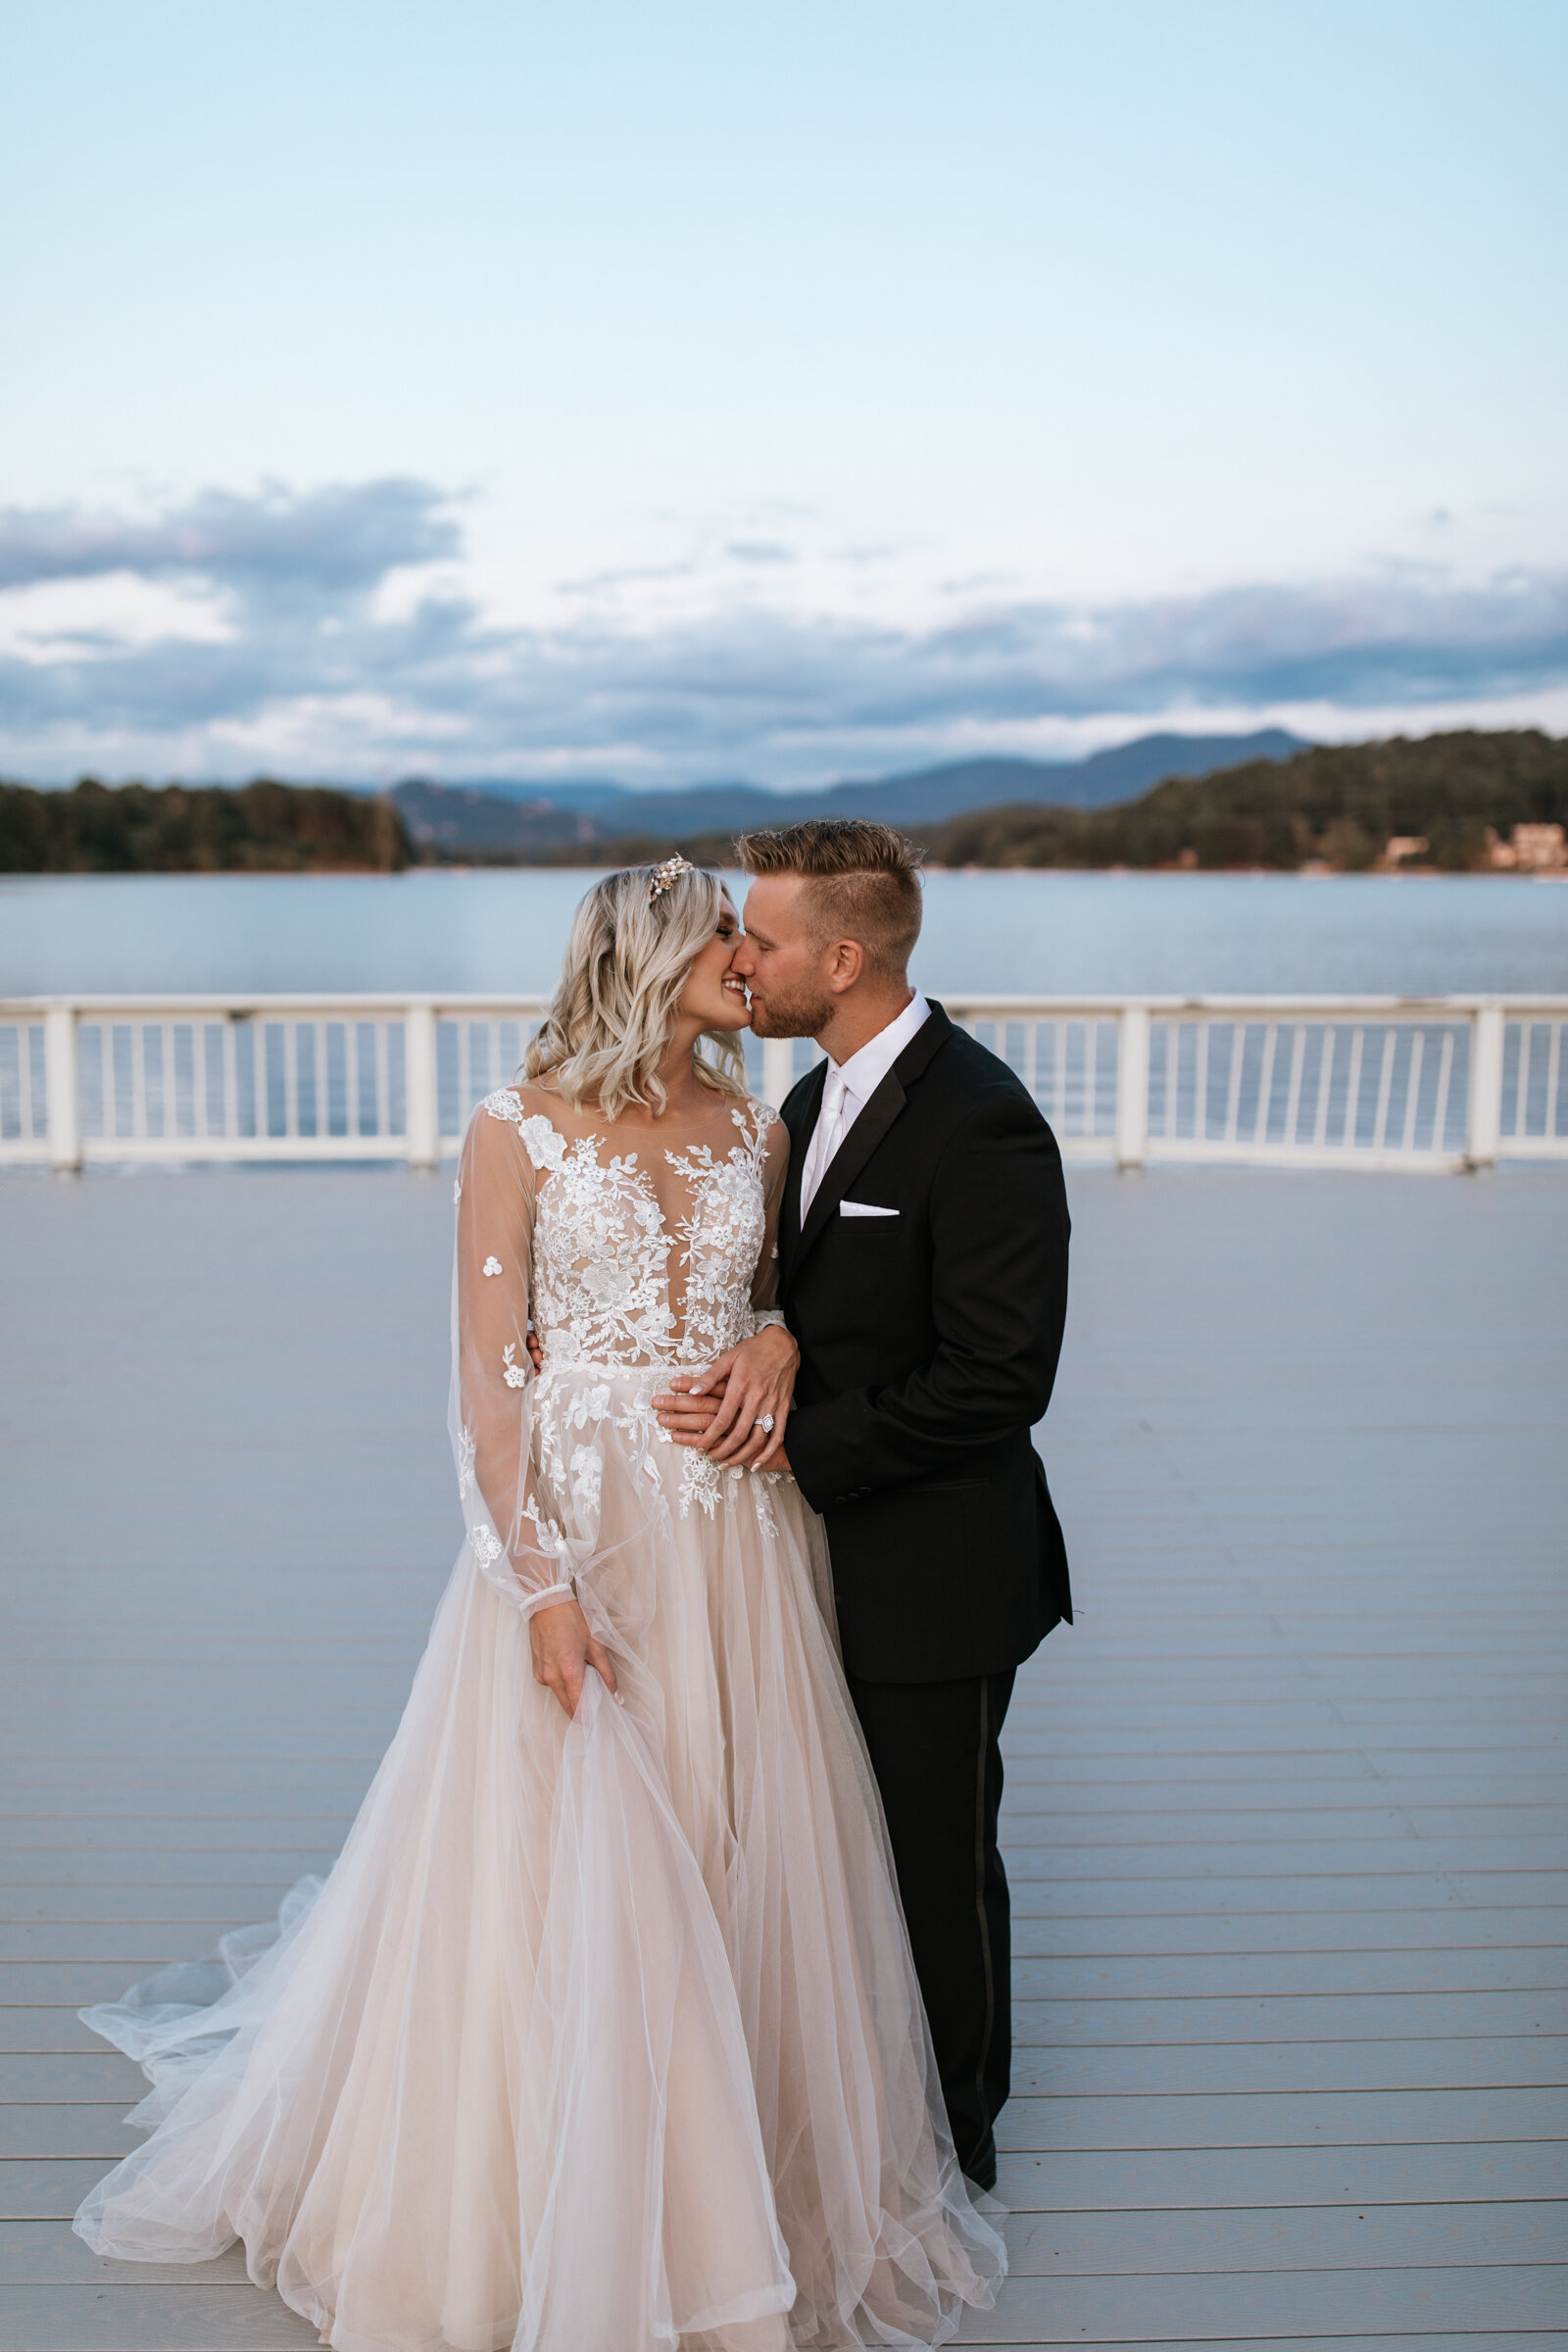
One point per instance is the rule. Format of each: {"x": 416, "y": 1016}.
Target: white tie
{"x": 826, "y": 1138}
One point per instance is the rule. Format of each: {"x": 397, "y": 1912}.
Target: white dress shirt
{"x": 849, "y": 1088}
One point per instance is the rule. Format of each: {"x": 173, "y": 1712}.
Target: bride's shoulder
{"x": 762, "y": 1124}
{"x": 528, "y": 1107}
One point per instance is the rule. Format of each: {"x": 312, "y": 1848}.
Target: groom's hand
{"x": 685, "y": 1418}
{"x": 689, "y": 1418}
{"x": 722, "y": 1409}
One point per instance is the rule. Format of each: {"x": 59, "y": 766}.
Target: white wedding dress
{"x": 601, "y": 2035}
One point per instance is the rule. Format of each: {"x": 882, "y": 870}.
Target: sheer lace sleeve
{"x": 775, "y": 1167}
{"x": 514, "y": 1542}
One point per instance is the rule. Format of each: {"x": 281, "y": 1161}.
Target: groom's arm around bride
{"x": 923, "y": 1262}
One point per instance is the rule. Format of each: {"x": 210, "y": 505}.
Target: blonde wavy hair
{"x": 613, "y": 1009}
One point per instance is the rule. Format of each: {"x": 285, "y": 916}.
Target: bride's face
{"x": 714, "y": 995}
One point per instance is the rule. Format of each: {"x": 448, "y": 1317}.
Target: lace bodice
{"x": 614, "y": 1281}
{"x": 637, "y": 1249}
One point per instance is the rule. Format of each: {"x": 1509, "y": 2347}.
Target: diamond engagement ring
{"x": 765, "y": 1423}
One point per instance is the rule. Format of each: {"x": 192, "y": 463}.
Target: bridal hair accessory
{"x": 665, "y": 876}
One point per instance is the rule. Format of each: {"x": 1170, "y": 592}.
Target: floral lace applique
{"x": 487, "y": 1544}
{"x": 602, "y": 1252}
{"x": 723, "y": 1235}
{"x": 588, "y": 1405}
{"x": 762, "y": 1484}
{"x": 586, "y": 1467}
{"x": 552, "y": 1543}
{"x": 701, "y": 1482}
{"x": 503, "y": 1104}
{"x": 601, "y": 1291}
{"x": 545, "y": 1146}
{"x": 604, "y": 1257}
{"x": 604, "y": 1263}
{"x": 465, "y": 1453}
{"x": 492, "y": 1266}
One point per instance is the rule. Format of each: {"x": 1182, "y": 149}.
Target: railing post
{"x": 1132, "y": 1086}
{"x": 62, "y": 1089}
{"x": 778, "y": 1068}
{"x": 423, "y": 1118}
{"x": 1483, "y": 1108}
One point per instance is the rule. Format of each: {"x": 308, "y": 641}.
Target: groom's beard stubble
{"x": 805, "y": 1013}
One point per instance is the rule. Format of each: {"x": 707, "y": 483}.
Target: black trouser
{"x": 936, "y": 1755}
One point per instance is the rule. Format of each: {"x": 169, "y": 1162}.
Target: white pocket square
{"x": 863, "y": 1209}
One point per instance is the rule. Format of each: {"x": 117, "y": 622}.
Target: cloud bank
{"x": 332, "y": 542}
{"x": 328, "y": 632}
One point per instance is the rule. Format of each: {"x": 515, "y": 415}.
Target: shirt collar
{"x": 866, "y": 1070}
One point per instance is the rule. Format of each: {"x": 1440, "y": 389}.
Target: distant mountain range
{"x": 503, "y": 820}
{"x": 1466, "y": 801}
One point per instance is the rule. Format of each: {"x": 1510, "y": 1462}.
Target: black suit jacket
{"x": 928, "y": 1350}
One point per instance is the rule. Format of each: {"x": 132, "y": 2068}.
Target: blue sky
{"x": 697, "y": 392}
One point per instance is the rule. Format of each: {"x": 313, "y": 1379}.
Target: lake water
{"x": 1029, "y": 933}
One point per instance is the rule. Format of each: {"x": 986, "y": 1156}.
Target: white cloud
{"x": 330, "y": 632}
{"x": 117, "y": 611}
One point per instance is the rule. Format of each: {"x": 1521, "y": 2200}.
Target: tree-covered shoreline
{"x": 1446, "y": 803}
{"x": 259, "y": 829}
{"x": 1443, "y": 802}
{"x": 1449, "y": 799}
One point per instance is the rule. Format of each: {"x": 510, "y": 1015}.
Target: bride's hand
{"x": 563, "y": 1649}
{"x": 757, "y": 1379}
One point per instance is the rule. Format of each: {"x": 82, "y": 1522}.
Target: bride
{"x": 602, "y": 2034}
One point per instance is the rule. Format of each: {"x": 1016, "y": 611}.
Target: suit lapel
{"x": 800, "y": 1115}
{"x": 864, "y": 1136}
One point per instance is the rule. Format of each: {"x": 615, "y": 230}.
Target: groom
{"x": 923, "y": 1262}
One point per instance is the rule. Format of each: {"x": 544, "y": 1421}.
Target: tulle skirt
{"x": 601, "y": 2035}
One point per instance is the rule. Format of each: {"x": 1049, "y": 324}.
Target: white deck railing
{"x": 1308, "y": 1082}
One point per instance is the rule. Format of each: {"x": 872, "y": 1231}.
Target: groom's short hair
{"x": 862, "y": 881}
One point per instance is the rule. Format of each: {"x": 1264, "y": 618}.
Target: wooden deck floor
{"x": 1282, "y": 1811}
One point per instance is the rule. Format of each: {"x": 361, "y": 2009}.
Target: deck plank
{"x": 1260, "y": 2118}
{"x": 1244, "y": 2307}
{"x": 119, "y": 2317}
{"x": 1286, "y": 1813}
